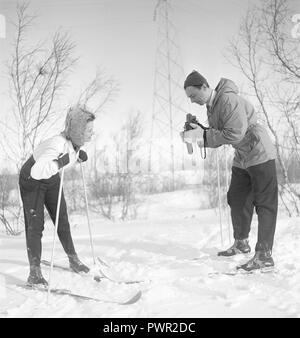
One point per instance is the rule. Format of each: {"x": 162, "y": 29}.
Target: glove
{"x": 82, "y": 157}
{"x": 193, "y": 135}
{"x": 63, "y": 160}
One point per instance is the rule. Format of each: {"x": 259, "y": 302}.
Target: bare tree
{"x": 133, "y": 130}
{"x": 282, "y": 46}
{"x": 269, "y": 59}
{"x": 101, "y": 185}
{"x": 7, "y": 202}
{"x": 99, "y": 92}
{"x": 113, "y": 186}
{"x": 38, "y": 74}
{"x": 73, "y": 189}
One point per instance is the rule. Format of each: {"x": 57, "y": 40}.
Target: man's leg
{"x": 265, "y": 188}
{"x": 240, "y": 200}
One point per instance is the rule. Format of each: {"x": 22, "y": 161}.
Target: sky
{"x": 121, "y": 38}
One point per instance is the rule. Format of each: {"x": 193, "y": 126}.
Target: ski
{"x": 66, "y": 268}
{"x": 97, "y": 278}
{"x": 66, "y": 292}
{"x": 103, "y": 275}
{"x": 58, "y": 266}
{"x": 239, "y": 272}
{"x": 102, "y": 262}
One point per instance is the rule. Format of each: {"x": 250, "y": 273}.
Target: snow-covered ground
{"x": 158, "y": 248}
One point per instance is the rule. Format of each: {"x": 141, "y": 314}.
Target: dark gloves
{"x": 82, "y": 157}
{"x": 63, "y": 160}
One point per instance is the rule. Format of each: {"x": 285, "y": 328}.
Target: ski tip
{"x": 101, "y": 261}
{"x": 133, "y": 299}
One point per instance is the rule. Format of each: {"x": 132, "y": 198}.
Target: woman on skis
{"x": 39, "y": 182}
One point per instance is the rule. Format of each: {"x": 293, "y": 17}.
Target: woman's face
{"x": 89, "y": 131}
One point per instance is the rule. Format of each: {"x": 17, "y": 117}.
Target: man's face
{"x": 198, "y": 95}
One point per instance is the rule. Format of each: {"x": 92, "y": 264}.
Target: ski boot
{"x": 36, "y": 277}
{"x": 261, "y": 260}
{"x": 240, "y": 246}
{"x": 76, "y": 265}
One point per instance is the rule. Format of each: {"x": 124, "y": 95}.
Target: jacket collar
{"x": 211, "y": 100}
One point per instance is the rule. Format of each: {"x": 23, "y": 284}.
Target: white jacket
{"x": 48, "y": 151}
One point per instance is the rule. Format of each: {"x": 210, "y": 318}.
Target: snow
{"x": 159, "y": 248}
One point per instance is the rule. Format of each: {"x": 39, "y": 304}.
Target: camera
{"x": 190, "y": 119}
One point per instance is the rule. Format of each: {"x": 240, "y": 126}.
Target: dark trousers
{"x": 256, "y": 187}
{"x": 37, "y": 194}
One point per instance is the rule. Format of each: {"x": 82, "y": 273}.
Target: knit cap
{"x": 75, "y": 124}
{"x": 195, "y": 79}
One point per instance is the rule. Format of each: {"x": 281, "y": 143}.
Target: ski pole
{"x": 87, "y": 212}
{"x": 219, "y": 197}
{"x": 227, "y": 188}
{"x": 55, "y": 231}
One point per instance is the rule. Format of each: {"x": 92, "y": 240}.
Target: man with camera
{"x": 233, "y": 120}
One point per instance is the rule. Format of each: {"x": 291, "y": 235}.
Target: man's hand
{"x": 193, "y": 135}
{"x": 82, "y": 157}
{"x": 62, "y": 160}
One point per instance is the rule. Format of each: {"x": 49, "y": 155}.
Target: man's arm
{"x": 234, "y": 120}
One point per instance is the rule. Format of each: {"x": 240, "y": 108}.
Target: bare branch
{"x": 99, "y": 92}
{"x": 262, "y": 52}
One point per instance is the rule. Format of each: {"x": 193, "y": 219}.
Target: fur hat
{"x": 195, "y": 79}
{"x": 75, "y": 124}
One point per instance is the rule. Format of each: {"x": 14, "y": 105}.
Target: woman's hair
{"x": 90, "y": 116}
{"x": 75, "y": 124}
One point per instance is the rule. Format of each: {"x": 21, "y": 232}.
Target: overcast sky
{"x": 120, "y": 36}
